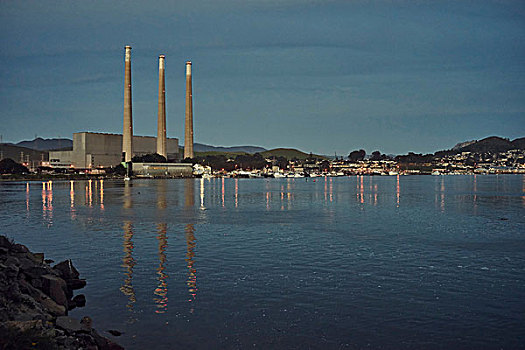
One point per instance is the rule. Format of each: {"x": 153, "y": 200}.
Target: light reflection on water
{"x": 389, "y": 247}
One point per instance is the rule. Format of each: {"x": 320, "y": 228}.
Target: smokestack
{"x": 161, "y": 121}
{"x": 188, "y": 137}
{"x": 127, "y": 132}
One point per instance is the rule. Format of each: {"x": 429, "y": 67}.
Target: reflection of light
{"x": 127, "y": 195}
{"x": 47, "y": 202}
{"x": 190, "y": 254}
{"x": 161, "y": 194}
{"x": 331, "y": 190}
{"x": 128, "y": 262}
{"x": 189, "y": 194}
{"x": 361, "y": 190}
{"x": 90, "y": 193}
{"x": 442, "y": 193}
{"x": 101, "y": 194}
{"x": 162, "y": 289}
{"x": 27, "y": 196}
{"x": 236, "y": 192}
{"x": 267, "y": 200}
{"x": 202, "y": 193}
{"x": 325, "y": 189}
{"x": 222, "y": 192}
{"x": 398, "y": 190}
{"x": 72, "y": 199}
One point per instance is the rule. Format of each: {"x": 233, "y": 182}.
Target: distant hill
{"x": 8, "y": 150}
{"x": 289, "y": 153}
{"x": 199, "y": 147}
{"x": 41, "y": 144}
{"x": 493, "y": 144}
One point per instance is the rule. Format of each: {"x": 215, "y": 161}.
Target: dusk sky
{"x": 322, "y": 76}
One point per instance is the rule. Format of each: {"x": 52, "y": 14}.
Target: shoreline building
{"x": 100, "y": 150}
{"x": 93, "y": 150}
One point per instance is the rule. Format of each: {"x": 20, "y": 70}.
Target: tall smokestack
{"x": 188, "y": 137}
{"x": 161, "y": 121}
{"x": 127, "y": 132}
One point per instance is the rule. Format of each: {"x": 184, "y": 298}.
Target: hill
{"x": 493, "y": 144}
{"x": 41, "y": 144}
{"x": 199, "y": 147}
{"x": 289, "y": 153}
{"x": 8, "y": 150}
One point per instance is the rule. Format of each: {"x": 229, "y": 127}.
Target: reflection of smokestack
{"x": 188, "y": 137}
{"x": 161, "y": 121}
{"x": 127, "y": 133}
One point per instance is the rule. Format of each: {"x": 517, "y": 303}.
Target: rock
{"x": 24, "y": 325}
{"x": 115, "y": 332}
{"x": 38, "y": 257}
{"x": 79, "y": 300}
{"x": 69, "y": 324}
{"x": 37, "y": 283}
{"x": 35, "y": 272}
{"x": 66, "y": 270}
{"x": 5, "y": 242}
{"x": 55, "y": 287}
{"x": 87, "y": 322}
{"x": 76, "y": 283}
{"x": 53, "y": 308}
{"x": 49, "y": 261}
{"x": 3, "y": 251}
{"x": 19, "y": 248}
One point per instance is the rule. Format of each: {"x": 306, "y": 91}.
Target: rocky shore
{"x": 34, "y": 302}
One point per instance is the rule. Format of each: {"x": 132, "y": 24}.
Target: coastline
{"x": 34, "y": 302}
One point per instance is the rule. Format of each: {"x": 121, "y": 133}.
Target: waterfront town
{"x": 476, "y": 158}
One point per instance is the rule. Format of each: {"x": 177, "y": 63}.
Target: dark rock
{"x": 37, "y": 283}
{"x": 53, "y": 308}
{"x": 79, "y": 300}
{"x": 115, "y": 332}
{"x": 5, "y": 242}
{"x": 55, "y": 287}
{"x": 75, "y": 284}
{"x": 49, "y": 261}
{"x": 66, "y": 270}
{"x": 19, "y": 248}
{"x": 3, "y": 251}
{"x": 69, "y": 324}
{"x": 87, "y": 322}
{"x": 104, "y": 343}
{"x": 36, "y": 272}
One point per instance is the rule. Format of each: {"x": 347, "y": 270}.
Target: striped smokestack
{"x": 188, "y": 136}
{"x": 161, "y": 120}
{"x": 127, "y": 132}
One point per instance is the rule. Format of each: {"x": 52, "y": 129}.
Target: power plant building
{"x": 93, "y": 150}
{"x": 98, "y": 150}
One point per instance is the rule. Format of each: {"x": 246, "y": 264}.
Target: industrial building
{"x": 99, "y": 150}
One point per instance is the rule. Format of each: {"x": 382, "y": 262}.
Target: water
{"x": 406, "y": 262}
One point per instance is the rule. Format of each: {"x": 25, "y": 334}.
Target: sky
{"x": 322, "y": 76}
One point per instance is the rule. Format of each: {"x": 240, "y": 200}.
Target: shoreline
{"x": 35, "y": 298}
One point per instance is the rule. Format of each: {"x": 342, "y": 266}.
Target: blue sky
{"x": 322, "y": 76}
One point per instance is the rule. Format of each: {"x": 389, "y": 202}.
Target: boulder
{"x": 76, "y": 283}
{"x": 66, "y": 270}
{"x": 79, "y": 300}
{"x": 53, "y": 308}
{"x": 69, "y": 324}
{"x": 19, "y": 248}
{"x": 55, "y": 287}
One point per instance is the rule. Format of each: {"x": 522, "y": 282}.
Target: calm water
{"x": 409, "y": 262}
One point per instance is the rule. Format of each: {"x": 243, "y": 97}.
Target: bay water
{"x": 379, "y": 262}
